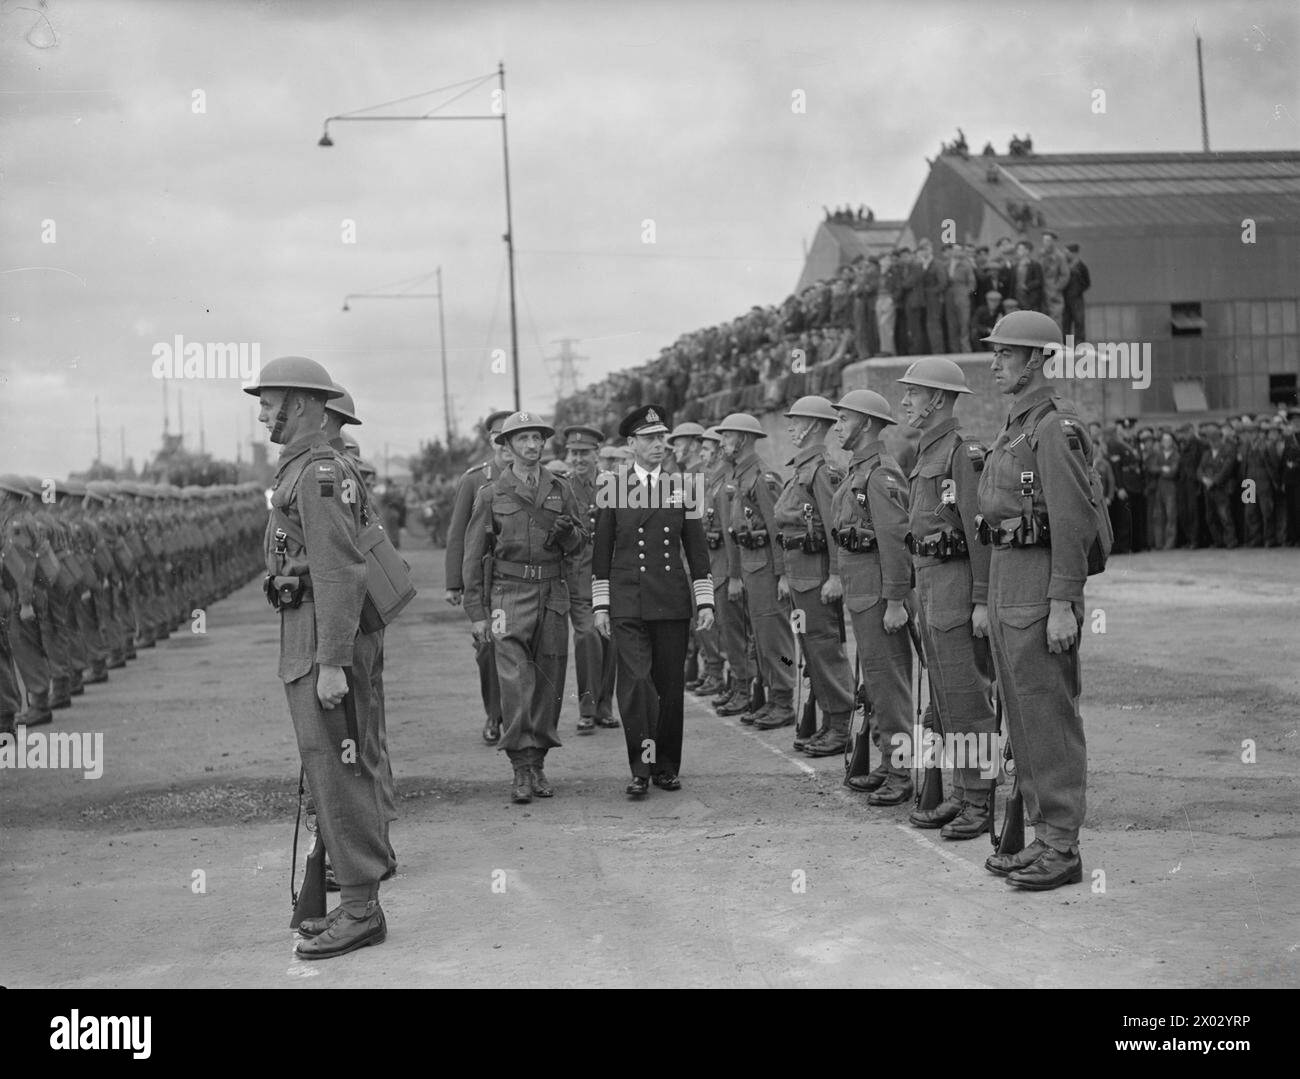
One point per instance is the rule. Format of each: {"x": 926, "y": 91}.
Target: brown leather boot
{"x": 522, "y": 792}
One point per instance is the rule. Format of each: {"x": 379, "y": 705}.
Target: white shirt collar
{"x": 647, "y": 477}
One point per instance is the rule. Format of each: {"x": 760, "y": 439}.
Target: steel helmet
{"x": 344, "y": 406}
{"x": 14, "y": 485}
{"x": 294, "y": 373}
{"x": 712, "y": 435}
{"x": 867, "y": 403}
{"x": 689, "y": 429}
{"x": 936, "y": 373}
{"x": 523, "y": 421}
{"x": 813, "y": 407}
{"x": 742, "y": 422}
{"x": 1030, "y": 329}
{"x": 75, "y": 488}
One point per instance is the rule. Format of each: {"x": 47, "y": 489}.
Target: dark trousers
{"x": 1072, "y": 318}
{"x": 651, "y": 684}
{"x": 1189, "y": 514}
{"x": 1223, "y": 530}
{"x": 1137, "y": 504}
{"x": 1121, "y": 523}
{"x": 915, "y": 330}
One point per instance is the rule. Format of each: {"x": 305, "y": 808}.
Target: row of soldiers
{"x": 94, "y": 570}
{"x": 954, "y": 567}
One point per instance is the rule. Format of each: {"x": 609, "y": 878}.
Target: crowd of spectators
{"x": 902, "y": 302}
{"x": 1229, "y": 484}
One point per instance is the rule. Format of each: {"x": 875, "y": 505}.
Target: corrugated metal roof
{"x": 1106, "y": 190}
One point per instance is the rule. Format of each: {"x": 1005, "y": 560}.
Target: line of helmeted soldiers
{"x": 814, "y": 543}
{"x": 94, "y": 570}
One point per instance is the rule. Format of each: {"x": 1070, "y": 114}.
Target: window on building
{"x": 1189, "y": 395}
{"x": 1186, "y": 319}
{"x": 1282, "y": 390}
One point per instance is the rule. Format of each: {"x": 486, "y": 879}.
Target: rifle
{"x": 929, "y": 792}
{"x": 310, "y": 902}
{"x": 857, "y": 752}
{"x": 1012, "y": 838}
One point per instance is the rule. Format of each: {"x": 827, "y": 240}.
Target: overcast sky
{"x": 227, "y": 224}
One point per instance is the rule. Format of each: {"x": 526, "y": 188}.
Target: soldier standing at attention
{"x": 594, "y": 655}
{"x": 641, "y": 597}
{"x": 723, "y": 640}
{"x": 757, "y": 571}
{"x": 1036, "y": 501}
{"x": 869, "y": 523}
{"x": 466, "y": 489}
{"x": 952, "y": 586}
{"x": 812, "y": 575}
{"x": 522, "y": 526}
{"x": 317, "y": 579}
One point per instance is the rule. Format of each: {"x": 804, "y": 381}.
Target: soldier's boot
{"x": 972, "y": 821}
{"x": 117, "y": 660}
{"x": 896, "y": 789}
{"x": 802, "y": 743}
{"x": 59, "y": 695}
{"x": 779, "y": 715}
{"x": 98, "y": 672}
{"x": 752, "y": 715}
{"x": 522, "y": 791}
{"x": 710, "y": 687}
{"x": 1003, "y": 864}
{"x": 7, "y": 723}
{"x": 76, "y": 683}
{"x": 541, "y": 785}
{"x": 38, "y": 710}
{"x": 938, "y": 817}
{"x": 834, "y": 742}
{"x": 736, "y": 704}
{"x": 345, "y": 933}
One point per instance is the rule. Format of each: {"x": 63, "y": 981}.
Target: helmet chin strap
{"x": 920, "y": 418}
{"x": 851, "y": 443}
{"x": 281, "y": 418}
{"x": 1034, "y": 363}
{"x": 801, "y": 435}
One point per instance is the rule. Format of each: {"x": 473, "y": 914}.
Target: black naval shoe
{"x": 346, "y": 934}
{"x": 937, "y": 817}
{"x": 872, "y": 781}
{"x": 895, "y": 790}
{"x": 640, "y": 785}
{"x": 541, "y": 785}
{"x": 491, "y": 732}
{"x": 1050, "y": 869}
{"x": 608, "y": 722}
{"x": 586, "y": 725}
{"x": 971, "y": 822}
{"x": 1002, "y": 865}
{"x": 522, "y": 791}
{"x": 667, "y": 781}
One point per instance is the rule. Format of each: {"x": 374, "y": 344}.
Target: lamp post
{"x": 509, "y": 236}
{"x": 442, "y": 334}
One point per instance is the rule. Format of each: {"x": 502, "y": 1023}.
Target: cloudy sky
{"x": 227, "y": 223}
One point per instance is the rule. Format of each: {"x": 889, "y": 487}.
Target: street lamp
{"x": 442, "y": 333}
{"x": 509, "y": 236}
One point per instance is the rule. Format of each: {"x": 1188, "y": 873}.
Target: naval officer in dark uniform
{"x": 640, "y": 594}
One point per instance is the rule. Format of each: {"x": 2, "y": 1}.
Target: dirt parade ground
{"x": 171, "y": 868}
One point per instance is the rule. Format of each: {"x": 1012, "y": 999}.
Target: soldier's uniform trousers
{"x": 1040, "y": 695}
{"x": 711, "y": 656}
{"x": 593, "y": 659}
{"x": 960, "y": 667}
{"x": 10, "y": 700}
{"x": 769, "y": 619}
{"x": 54, "y": 640}
{"x": 651, "y": 684}
{"x": 30, "y": 659}
{"x": 383, "y": 764}
{"x": 489, "y": 687}
{"x": 733, "y": 636}
{"x": 885, "y": 658}
{"x": 530, "y": 622}
{"x": 348, "y": 797}
{"x": 828, "y": 667}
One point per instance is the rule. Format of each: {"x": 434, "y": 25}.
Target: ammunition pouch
{"x": 809, "y": 543}
{"x": 284, "y": 591}
{"x": 853, "y": 540}
{"x": 944, "y": 544}
{"x": 1015, "y": 532}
